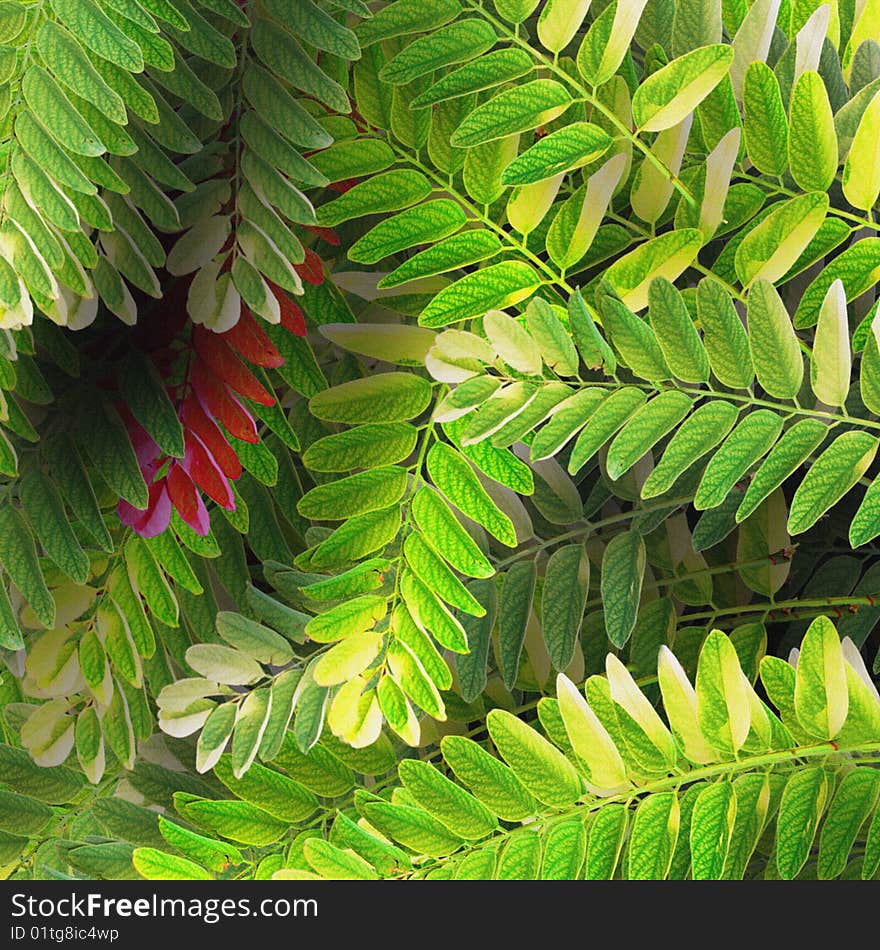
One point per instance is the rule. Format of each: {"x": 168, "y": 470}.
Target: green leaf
{"x": 237, "y": 821}
{"x": 872, "y": 849}
{"x": 676, "y": 334}
{"x": 570, "y": 147}
{"x": 335, "y": 864}
{"x": 832, "y": 360}
{"x": 460, "y": 812}
{"x": 765, "y": 123}
{"x": 390, "y": 191}
{"x": 148, "y": 580}
{"x": 453, "y": 476}
{"x": 214, "y": 736}
{"x": 431, "y": 616}
{"x": 711, "y": 831}
{"x": 769, "y": 250}
{"x": 44, "y": 509}
{"x": 565, "y": 846}
{"x": 500, "y": 408}
{"x": 446, "y": 535}
{"x": 90, "y": 25}
{"x": 361, "y": 447}
{"x": 461, "y": 41}
{"x": 223, "y": 664}
{"x": 665, "y": 256}
{"x": 858, "y": 267}
{"x": 405, "y": 17}
{"x": 590, "y": 739}
{"x": 853, "y": 802}
{"x": 210, "y": 853}
{"x": 386, "y": 397}
{"x": 19, "y": 559}
{"x": 724, "y": 336}
{"x": 634, "y": 339}
{"x": 803, "y": 802}
{"x": 353, "y": 615}
{"x": 323, "y": 31}
{"x": 452, "y": 253}
{"x": 706, "y": 427}
{"x": 55, "y": 785}
{"x": 821, "y": 696}
{"x": 427, "y": 565}
{"x": 250, "y": 725}
{"x": 348, "y": 658}
{"x": 608, "y": 417}
{"x": 653, "y": 837}
{"x": 830, "y": 477}
{"x": 673, "y": 92}
{"x": 563, "y": 598}
{"x": 483, "y": 72}
{"x": 427, "y": 223}
{"x": 363, "y": 492}
{"x": 751, "y": 439}
{"x": 606, "y": 44}
{"x": 541, "y": 767}
{"x": 860, "y": 181}
{"x": 46, "y": 98}
{"x": 278, "y": 109}
{"x": 776, "y": 352}
{"x": 263, "y": 644}
{"x": 789, "y": 453}
{"x": 593, "y": 348}
{"x": 623, "y": 567}
{"x": 521, "y": 858}
{"x": 514, "y": 110}
{"x": 570, "y": 416}
{"x": 168, "y": 553}
{"x": 812, "y": 140}
{"x": 65, "y": 57}
{"x": 517, "y": 593}
{"x": 723, "y": 704}
{"x": 155, "y": 865}
{"x": 553, "y": 339}
{"x": 605, "y": 842}
{"x": 752, "y": 806}
{"x": 22, "y": 815}
{"x": 647, "y": 426}
{"x": 413, "y": 827}
{"x": 494, "y": 287}
{"x": 10, "y": 632}
{"x": 491, "y": 781}
{"x": 105, "y": 439}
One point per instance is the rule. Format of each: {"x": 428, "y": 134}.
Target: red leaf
{"x": 182, "y": 491}
{"x": 224, "y": 364}
{"x": 219, "y": 402}
{"x": 154, "y": 518}
{"x": 249, "y": 339}
{"x": 342, "y": 186}
{"x": 292, "y": 318}
{"x": 145, "y": 449}
{"x": 201, "y": 467}
{"x": 326, "y": 234}
{"x": 197, "y": 421}
{"x": 187, "y": 500}
{"x": 312, "y": 269}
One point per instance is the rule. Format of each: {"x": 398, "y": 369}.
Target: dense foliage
{"x": 438, "y": 439}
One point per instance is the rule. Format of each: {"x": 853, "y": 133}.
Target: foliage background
{"x": 386, "y": 389}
